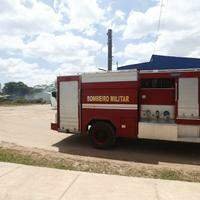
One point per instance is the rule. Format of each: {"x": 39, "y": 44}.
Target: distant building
{"x": 159, "y": 62}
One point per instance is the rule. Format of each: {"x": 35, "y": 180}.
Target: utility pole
{"x": 109, "y": 34}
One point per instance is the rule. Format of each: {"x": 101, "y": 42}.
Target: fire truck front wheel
{"x": 102, "y": 135}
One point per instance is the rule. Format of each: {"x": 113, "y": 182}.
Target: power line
{"x": 159, "y": 24}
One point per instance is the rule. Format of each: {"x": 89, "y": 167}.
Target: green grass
{"x": 37, "y": 159}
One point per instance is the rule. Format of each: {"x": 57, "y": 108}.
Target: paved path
{"x": 30, "y": 183}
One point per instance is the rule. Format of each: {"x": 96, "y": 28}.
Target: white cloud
{"x": 176, "y": 15}
{"x": 71, "y": 53}
{"x": 115, "y": 21}
{"x": 63, "y": 48}
{"x": 8, "y": 42}
{"x": 13, "y": 69}
{"x": 141, "y": 24}
{"x": 119, "y": 14}
{"x": 136, "y": 53}
{"x": 81, "y": 14}
{"x": 68, "y": 69}
{"x": 179, "y": 32}
{"x": 6, "y": 7}
{"x": 183, "y": 43}
{"x": 91, "y": 31}
{"x": 19, "y": 17}
{"x": 36, "y": 31}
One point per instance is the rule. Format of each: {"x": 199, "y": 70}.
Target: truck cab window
{"x": 157, "y": 83}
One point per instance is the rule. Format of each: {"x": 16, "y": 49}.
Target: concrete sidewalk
{"x": 28, "y": 182}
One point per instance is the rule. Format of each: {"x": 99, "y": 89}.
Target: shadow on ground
{"x": 142, "y": 151}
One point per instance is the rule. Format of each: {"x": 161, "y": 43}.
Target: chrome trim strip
{"x": 110, "y": 106}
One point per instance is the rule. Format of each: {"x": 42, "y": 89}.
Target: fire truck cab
{"x": 154, "y": 104}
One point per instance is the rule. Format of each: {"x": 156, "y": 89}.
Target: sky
{"x": 42, "y": 39}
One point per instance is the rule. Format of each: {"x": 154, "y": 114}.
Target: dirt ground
{"x": 29, "y": 126}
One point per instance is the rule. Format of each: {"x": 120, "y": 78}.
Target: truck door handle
{"x": 176, "y": 92}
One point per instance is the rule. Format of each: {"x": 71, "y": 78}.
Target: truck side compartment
{"x": 114, "y": 102}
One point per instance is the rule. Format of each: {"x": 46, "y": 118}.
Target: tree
{"x": 16, "y": 89}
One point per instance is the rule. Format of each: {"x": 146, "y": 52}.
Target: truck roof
{"x": 110, "y": 76}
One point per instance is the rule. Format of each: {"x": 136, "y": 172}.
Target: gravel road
{"x": 29, "y": 126}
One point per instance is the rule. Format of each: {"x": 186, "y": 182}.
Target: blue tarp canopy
{"x": 159, "y": 62}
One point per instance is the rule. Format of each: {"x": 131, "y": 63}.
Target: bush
{"x": 3, "y": 100}
{"x": 37, "y": 101}
{"x": 21, "y": 101}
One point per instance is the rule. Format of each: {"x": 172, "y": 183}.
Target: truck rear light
{"x": 123, "y": 126}
{"x": 54, "y": 126}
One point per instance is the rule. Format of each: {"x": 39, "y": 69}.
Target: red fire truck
{"x": 154, "y": 104}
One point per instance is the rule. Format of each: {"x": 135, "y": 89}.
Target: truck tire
{"x": 102, "y": 135}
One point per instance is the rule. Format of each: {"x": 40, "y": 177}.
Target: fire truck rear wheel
{"x": 102, "y": 135}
